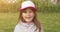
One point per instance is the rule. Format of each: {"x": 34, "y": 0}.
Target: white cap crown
{"x": 27, "y": 4}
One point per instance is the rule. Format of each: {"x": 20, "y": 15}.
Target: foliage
{"x": 42, "y": 6}
{"x": 47, "y": 6}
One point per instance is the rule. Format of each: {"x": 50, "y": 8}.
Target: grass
{"x": 50, "y": 21}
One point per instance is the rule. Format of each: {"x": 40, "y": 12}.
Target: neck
{"x": 28, "y": 23}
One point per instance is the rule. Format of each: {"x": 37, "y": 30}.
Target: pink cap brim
{"x": 32, "y": 8}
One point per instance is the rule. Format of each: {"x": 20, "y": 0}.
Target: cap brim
{"x": 32, "y": 8}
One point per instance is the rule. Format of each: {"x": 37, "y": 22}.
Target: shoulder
{"x": 17, "y": 28}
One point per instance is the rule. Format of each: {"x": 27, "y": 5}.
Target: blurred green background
{"x": 48, "y": 14}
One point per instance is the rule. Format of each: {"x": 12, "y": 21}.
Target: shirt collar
{"x": 27, "y": 24}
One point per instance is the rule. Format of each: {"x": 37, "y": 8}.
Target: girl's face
{"x": 28, "y": 15}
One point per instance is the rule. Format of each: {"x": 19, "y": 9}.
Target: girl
{"x": 27, "y": 19}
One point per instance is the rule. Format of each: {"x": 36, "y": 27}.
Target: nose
{"x": 28, "y": 14}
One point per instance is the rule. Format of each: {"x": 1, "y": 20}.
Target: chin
{"x": 28, "y": 20}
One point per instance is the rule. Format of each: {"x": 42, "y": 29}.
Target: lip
{"x": 28, "y": 17}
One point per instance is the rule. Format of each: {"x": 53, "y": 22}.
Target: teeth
{"x": 28, "y": 17}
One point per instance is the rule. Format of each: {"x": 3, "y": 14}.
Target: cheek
{"x": 23, "y": 15}
{"x": 32, "y": 15}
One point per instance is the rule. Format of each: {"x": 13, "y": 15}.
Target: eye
{"x": 30, "y": 11}
{"x": 24, "y": 11}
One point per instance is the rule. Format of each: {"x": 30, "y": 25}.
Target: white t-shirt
{"x": 24, "y": 27}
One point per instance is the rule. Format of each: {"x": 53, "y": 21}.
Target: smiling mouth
{"x": 28, "y": 17}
